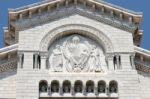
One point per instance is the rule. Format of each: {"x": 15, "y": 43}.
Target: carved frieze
{"x": 76, "y": 53}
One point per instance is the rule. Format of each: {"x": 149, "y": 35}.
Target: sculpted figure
{"x": 57, "y": 61}
{"x": 94, "y": 60}
{"x": 77, "y": 54}
{"x": 101, "y": 89}
{"x": 113, "y": 89}
{"x": 89, "y": 90}
{"x": 78, "y": 88}
{"x": 55, "y": 88}
{"x": 43, "y": 89}
{"x": 66, "y": 89}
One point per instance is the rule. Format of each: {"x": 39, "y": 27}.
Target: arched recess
{"x": 83, "y": 30}
{"x": 66, "y": 86}
{"x": 78, "y": 86}
{"x": 90, "y": 86}
{"x": 113, "y": 86}
{"x": 101, "y": 86}
{"x": 43, "y": 86}
{"x": 55, "y": 86}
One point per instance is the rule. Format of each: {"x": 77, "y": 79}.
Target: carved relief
{"x": 76, "y": 54}
{"x": 50, "y": 37}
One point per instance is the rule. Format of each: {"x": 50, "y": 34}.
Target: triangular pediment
{"x": 50, "y": 10}
{"x": 96, "y": 9}
{"x": 66, "y": 12}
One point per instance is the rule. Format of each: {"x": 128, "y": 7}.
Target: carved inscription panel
{"x": 76, "y": 53}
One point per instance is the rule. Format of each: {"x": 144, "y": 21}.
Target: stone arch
{"x": 78, "y": 86}
{"x": 66, "y": 86}
{"x": 101, "y": 86}
{"x": 84, "y": 30}
{"x": 55, "y": 86}
{"x": 43, "y": 86}
{"x": 90, "y": 86}
{"x": 113, "y": 86}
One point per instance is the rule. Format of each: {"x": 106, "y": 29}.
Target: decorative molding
{"x": 85, "y": 30}
{"x": 9, "y": 65}
{"x": 8, "y": 49}
{"x": 48, "y": 2}
{"x": 44, "y": 54}
{"x": 142, "y": 51}
{"x": 63, "y": 12}
{"x": 141, "y": 66}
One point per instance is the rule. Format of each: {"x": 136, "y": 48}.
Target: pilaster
{"x": 44, "y": 56}
{"x": 109, "y": 59}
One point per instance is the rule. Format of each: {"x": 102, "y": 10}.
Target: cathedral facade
{"x": 74, "y": 49}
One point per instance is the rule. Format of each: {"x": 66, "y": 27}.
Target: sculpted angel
{"x": 76, "y": 54}
{"x": 57, "y": 61}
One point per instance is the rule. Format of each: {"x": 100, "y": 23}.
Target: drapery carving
{"x": 76, "y": 53}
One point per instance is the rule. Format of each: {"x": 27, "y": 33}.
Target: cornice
{"x": 101, "y": 2}
{"x": 142, "y": 51}
{"x": 8, "y": 49}
{"x": 34, "y": 14}
{"x": 120, "y": 8}
{"x": 63, "y": 12}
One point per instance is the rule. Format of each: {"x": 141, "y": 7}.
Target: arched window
{"x": 132, "y": 61}
{"x": 22, "y": 60}
{"x": 90, "y": 86}
{"x": 43, "y": 86}
{"x": 39, "y": 61}
{"x": 113, "y": 87}
{"x": 119, "y": 62}
{"x": 101, "y": 87}
{"x": 36, "y": 61}
{"x": 78, "y": 87}
{"x": 54, "y": 86}
{"x": 115, "y": 62}
{"x": 66, "y": 86}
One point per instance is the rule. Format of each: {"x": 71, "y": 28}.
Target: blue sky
{"x": 136, "y": 5}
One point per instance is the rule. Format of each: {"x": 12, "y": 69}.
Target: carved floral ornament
{"x": 79, "y": 49}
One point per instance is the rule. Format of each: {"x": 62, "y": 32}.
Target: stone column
{"x": 30, "y": 14}
{"x": 96, "y": 89}
{"x": 107, "y": 90}
{"x": 43, "y": 56}
{"x": 49, "y": 89}
{"x": 72, "y": 90}
{"x": 121, "y": 16}
{"x": 66, "y": 3}
{"x": 75, "y": 2}
{"x": 130, "y": 20}
{"x": 84, "y": 89}
{"x": 36, "y": 61}
{"x": 110, "y": 62}
{"x": 20, "y": 65}
{"x": 61, "y": 89}
{"x": 132, "y": 61}
{"x": 118, "y": 62}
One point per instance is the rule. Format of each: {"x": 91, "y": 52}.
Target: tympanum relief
{"x": 76, "y": 53}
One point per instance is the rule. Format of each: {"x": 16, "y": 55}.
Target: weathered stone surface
{"x": 74, "y": 56}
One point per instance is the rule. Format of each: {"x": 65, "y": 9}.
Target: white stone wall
{"x": 8, "y": 85}
{"x": 28, "y": 82}
{"x": 30, "y": 39}
{"x": 144, "y": 81}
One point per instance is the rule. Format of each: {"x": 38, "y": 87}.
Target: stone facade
{"x": 74, "y": 48}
